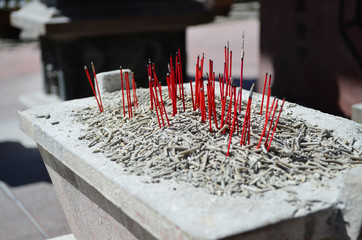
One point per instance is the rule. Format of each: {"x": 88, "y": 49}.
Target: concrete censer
{"x": 143, "y": 177}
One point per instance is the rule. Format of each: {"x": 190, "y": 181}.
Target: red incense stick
{"x": 223, "y": 103}
{"x": 262, "y": 100}
{"x": 173, "y": 82}
{"x": 276, "y": 123}
{"x": 220, "y": 86}
{"x": 227, "y": 69}
{"x": 249, "y": 124}
{"x": 241, "y": 74}
{"x": 230, "y": 77}
{"x": 151, "y": 92}
{"x": 231, "y": 62}
{"x": 202, "y": 100}
{"x": 223, "y": 81}
{"x": 209, "y": 104}
{"x": 237, "y": 122}
{"x": 233, "y": 123}
{"x": 95, "y": 78}
{"x": 135, "y": 101}
{"x": 211, "y": 66}
{"x": 226, "y": 79}
{"x": 124, "y": 111}
{"x": 90, "y": 82}
{"x": 202, "y": 64}
{"x": 265, "y": 125}
{"x": 246, "y": 125}
{"x": 149, "y": 70}
{"x": 155, "y": 86}
{"x": 228, "y": 116}
{"x": 178, "y": 83}
{"x": 271, "y": 122}
{"x": 267, "y": 100}
{"x": 242, "y": 140}
{"x": 168, "y": 85}
{"x": 174, "y": 91}
{"x": 129, "y": 104}
{"x": 240, "y": 99}
{"x": 163, "y": 106}
{"x": 213, "y": 84}
{"x": 154, "y": 99}
{"x": 213, "y": 103}
{"x": 197, "y": 85}
{"x": 154, "y": 74}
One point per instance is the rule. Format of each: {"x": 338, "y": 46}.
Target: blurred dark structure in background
{"x": 109, "y": 33}
{"x": 6, "y": 8}
{"x": 314, "y": 51}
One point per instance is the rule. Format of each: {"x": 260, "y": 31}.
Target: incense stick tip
{"x": 251, "y": 90}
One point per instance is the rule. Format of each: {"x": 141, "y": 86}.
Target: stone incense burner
{"x": 107, "y": 195}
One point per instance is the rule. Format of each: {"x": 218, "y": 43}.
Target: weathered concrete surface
{"x": 178, "y": 211}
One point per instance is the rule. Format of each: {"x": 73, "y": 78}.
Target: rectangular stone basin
{"x": 102, "y": 202}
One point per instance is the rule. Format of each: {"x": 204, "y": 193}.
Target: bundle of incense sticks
{"x": 128, "y": 93}
{"x": 96, "y": 95}
{"x": 203, "y": 98}
{"x": 245, "y": 134}
{"x": 156, "y": 95}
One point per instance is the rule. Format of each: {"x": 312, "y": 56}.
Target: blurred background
{"x": 313, "y": 49}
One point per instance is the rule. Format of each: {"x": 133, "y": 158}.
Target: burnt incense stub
{"x": 177, "y": 182}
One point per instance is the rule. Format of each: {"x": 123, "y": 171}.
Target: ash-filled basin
{"x": 101, "y": 199}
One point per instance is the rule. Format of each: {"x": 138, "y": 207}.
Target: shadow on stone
{"x": 325, "y": 224}
{"x": 20, "y": 165}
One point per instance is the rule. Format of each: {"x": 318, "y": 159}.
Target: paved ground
{"x": 29, "y": 208}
